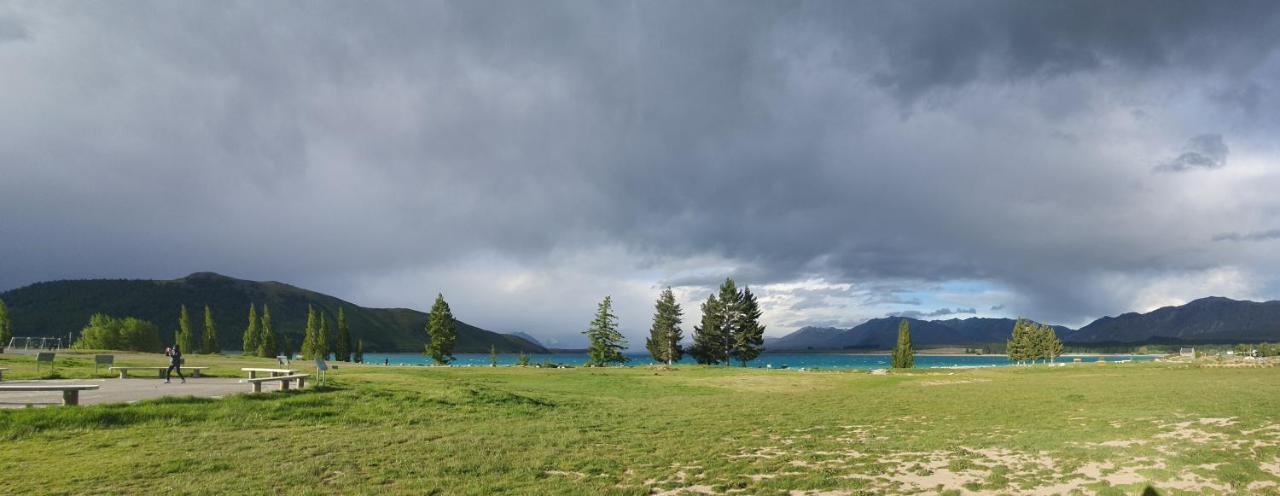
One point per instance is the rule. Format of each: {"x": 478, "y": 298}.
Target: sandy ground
{"x": 127, "y": 390}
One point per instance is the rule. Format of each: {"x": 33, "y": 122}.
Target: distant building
{"x": 1187, "y": 352}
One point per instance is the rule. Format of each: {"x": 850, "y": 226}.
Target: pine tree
{"x": 322, "y": 338}
{"x": 1053, "y": 345}
{"x": 250, "y": 340}
{"x": 730, "y": 319}
{"x": 6, "y": 326}
{"x": 309, "y": 351}
{"x": 706, "y": 337}
{"x": 665, "y": 334}
{"x": 343, "y": 346}
{"x": 493, "y": 356}
{"x": 184, "y": 338}
{"x": 267, "y": 345}
{"x": 359, "y": 351}
{"x": 1022, "y": 344}
{"x": 210, "y": 333}
{"x": 523, "y": 359}
{"x": 606, "y": 343}
{"x": 903, "y": 355}
{"x": 441, "y": 332}
{"x": 748, "y": 342}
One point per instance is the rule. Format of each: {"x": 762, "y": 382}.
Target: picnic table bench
{"x": 256, "y": 382}
{"x": 124, "y": 371}
{"x": 70, "y": 392}
{"x": 253, "y": 371}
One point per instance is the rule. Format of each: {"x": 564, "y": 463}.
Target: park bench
{"x": 124, "y": 371}
{"x": 70, "y": 392}
{"x": 2, "y": 369}
{"x": 284, "y": 381}
{"x": 253, "y": 372}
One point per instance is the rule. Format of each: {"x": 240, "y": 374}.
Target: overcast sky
{"x": 847, "y": 160}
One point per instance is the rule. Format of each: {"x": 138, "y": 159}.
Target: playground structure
{"x": 30, "y": 345}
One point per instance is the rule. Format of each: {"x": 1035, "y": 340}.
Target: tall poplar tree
{"x": 665, "y": 334}
{"x": 708, "y": 336}
{"x": 184, "y": 338}
{"x": 309, "y": 351}
{"x": 267, "y": 345}
{"x": 6, "y": 326}
{"x": 441, "y": 331}
{"x": 605, "y": 342}
{"x": 903, "y": 354}
{"x": 359, "y": 351}
{"x": 748, "y": 340}
{"x": 323, "y": 346}
{"x": 250, "y": 339}
{"x": 210, "y": 333}
{"x": 343, "y": 346}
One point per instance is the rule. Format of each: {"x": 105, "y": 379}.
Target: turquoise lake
{"x": 774, "y": 360}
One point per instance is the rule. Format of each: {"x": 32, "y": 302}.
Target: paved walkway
{"x": 128, "y": 390}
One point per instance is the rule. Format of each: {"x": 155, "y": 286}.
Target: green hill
{"x": 60, "y": 307}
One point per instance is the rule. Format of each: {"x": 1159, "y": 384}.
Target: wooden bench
{"x": 253, "y": 372}
{"x": 284, "y": 381}
{"x": 2, "y": 369}
{"x": 124, "y": 371}
{"x": 70, "y": 392}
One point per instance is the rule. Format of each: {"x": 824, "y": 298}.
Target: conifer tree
{"x": 6, "y": 326}
{"x": 493, "y": 356}
{"x": 748, "y": 342}
{"x": 903, "y": 355}
{"x": 210, "y": 333}
{"x": 359, "y": 358}
{"x": 708, "y": 335}
{"x": 267, "y": 345}
{"x": 665, "y": 334}
{"x": 343, "y": 346}
{"x": 1052, "y": 345}
{"x": 322, "y": 338}
{"x": 606, "y": 343}
{"x": 1018, "y": 345}
{"x": 309, "y": 351}
{"x": 730, "y": 319}
{"x": 184, "y": 337}
{"x": 441, "y": 331}
{"x": 250, "y": 340}
{"x": 523, "y": 359}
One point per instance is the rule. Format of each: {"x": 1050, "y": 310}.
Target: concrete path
{"x": 128, "y": 390}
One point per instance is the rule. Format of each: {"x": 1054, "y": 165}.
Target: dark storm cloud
{"x": 858, "y": 143}
{"x": 1206, "y": 151}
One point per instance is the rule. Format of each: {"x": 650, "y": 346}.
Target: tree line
{"x": 730, "y": 331}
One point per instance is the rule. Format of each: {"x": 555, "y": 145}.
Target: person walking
{"x": 175, "y": 363}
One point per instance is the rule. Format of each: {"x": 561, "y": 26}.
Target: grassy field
{"x": 1082, "y": 429}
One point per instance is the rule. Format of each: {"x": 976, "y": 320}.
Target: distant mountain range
{"x": 59, "y": 307}
{"x": 1206, "y": 320}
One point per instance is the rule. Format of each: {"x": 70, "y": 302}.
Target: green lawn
{"x": 1087, "y": 429}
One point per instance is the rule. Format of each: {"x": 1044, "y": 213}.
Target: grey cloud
{"x": 996, "y": 308}
{"x": 1268, "y": 235}
{"x": 12, "y": 29}
{"x": 1206, "y": 151}
{"x": 941, "y": 312}
{"x": 343, "y": 142}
